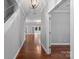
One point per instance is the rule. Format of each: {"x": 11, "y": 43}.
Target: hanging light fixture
{"x": 34, "y": 3}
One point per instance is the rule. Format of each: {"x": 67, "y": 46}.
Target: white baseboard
{"x": 60, "y": 44}
{"x": 29, "y": 33}
{"x": 47, "y": 52}
{"x": 19, "y": 49}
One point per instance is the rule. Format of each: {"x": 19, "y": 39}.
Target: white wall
{"x": 45, "y": 31}
{"x": 14, "y": 34}
{"x": 60, "y": 27}
{"x": 29, "y": 29}
{"x": 43, "y": 34}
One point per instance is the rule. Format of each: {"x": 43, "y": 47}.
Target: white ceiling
{"x": 32, "y": 14}
{"x": 36, "y": 14}
{"x": 27, "y": 7}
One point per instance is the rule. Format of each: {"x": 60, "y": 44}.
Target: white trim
{"x": 29, "y": 33}
{"x": 19, "y": 49}
{"x": 61, "y": 11}
{"x": 25, "y": 33}
{"x": 54, "y": 6}
{"x": 47, "y": 52}
{"x": 35, "y": 21}
{"x": 72, "y": 29}
{"x": 59, "y": 44}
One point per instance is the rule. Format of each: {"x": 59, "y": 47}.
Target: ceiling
{"x": 27, "y": 6}
{"x": 31, "y": 13}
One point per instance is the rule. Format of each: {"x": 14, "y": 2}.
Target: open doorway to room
{"x": 32, "y": 45}
{"x": 37, "y": 34}
{"x": 33, "y": 29}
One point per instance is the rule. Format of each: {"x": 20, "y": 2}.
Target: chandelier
{"x": 34, "y": 3}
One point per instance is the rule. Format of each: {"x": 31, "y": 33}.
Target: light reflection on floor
{"x": 37, "y": 42}
{"x": 37, "y": 38}
{"x": 38, "y": 49}
{"x": 32, "y": 50}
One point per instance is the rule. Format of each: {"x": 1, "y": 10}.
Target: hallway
{"x": 32, "y": 50}
{"x": 24, "y": 19}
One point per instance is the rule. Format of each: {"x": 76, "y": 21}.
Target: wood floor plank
{"x": 32, "y": 50}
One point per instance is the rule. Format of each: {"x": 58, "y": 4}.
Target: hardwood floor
{"x": 32, "y": 50}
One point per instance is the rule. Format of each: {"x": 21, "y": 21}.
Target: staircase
{"x": 52, "y": 4}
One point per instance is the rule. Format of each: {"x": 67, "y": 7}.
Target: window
{"x": 36, "y": 28}
{"x": 9, "y": 8}
{"x": 39, "y": 28}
